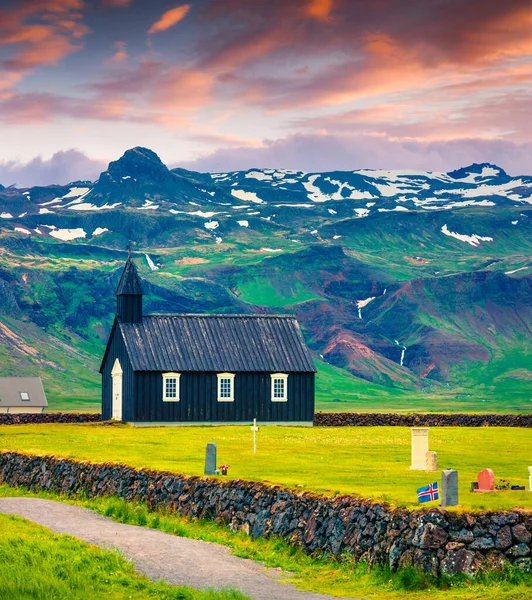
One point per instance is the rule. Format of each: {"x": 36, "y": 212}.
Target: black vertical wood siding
{"x": 199, "y": 399}
{"x": 129, "y": 308}
{"x": 117, "y": 349}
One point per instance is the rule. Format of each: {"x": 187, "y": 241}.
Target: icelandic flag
{"x": 428, "y": 493}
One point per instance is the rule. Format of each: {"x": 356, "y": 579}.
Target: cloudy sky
{"x": 232, "y": 84}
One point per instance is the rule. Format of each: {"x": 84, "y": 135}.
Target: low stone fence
{"x": 323, "y": 419}
{"x": 28, "y": 419}
{"x": 433, "y": 540}
{"x": 419, "y": 420}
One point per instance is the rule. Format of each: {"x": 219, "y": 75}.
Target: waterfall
{"x": 362, "y": 303}
{"x": 403, "y": 352}
{"x": 151, "y": 264}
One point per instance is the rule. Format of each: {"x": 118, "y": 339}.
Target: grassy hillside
{"x": 424, "y": 292}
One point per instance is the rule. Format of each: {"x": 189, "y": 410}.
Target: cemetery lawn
{"x": 372, "y": 462}
{"x": 37, "y": 563}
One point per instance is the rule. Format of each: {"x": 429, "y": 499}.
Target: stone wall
{"x": 325, "y": 420}
{"x": 433, "y": 540}
{"x": 420, "y": 420}
{"x": 27, "y": 419}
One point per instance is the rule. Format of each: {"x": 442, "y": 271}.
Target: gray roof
{"x": 129, "y": 281}
{"x": 218, "y": 343}
{"x": 12, "y": 387}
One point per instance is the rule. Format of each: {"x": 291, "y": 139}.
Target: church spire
{"x": 129, "y": 294}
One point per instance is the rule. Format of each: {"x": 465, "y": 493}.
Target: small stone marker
{"x": 486, "y": 481}
{"x": 449, "y": 487}
{"x": 420, "y": 447}
{"x": 431, "y": 462}
{"x": 210, "y": 459}
{"x": 530, "y": 478}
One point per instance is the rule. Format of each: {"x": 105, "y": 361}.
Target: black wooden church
{"x": 175, "y": 369}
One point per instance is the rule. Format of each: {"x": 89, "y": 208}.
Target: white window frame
{"x": 27, "y": 399}
{"x": 177, "y": 377}
{"x": 231, "y": 377}
{"x": 284, "y": 377}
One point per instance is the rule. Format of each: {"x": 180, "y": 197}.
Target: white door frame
{"x": 116, "y": 374}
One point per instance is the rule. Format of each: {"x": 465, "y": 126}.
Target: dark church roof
{"x": 217, "y": 343}
{"x": 129, "y": 284}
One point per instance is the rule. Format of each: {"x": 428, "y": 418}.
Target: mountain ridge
{"x": 412, "y": 281}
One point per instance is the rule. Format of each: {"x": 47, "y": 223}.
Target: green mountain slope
{"x": 405, "y": 304}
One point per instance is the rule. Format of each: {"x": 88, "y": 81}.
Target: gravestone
{"x": 486, "y": 481}
{"x": 530, "y": 478}
{"x": 431, "y": 462}
{"x": 449, "y": 487}
{"x": 420, "y": 447}
{"x": 210, "y": 459}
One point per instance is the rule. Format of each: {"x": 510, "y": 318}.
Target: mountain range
{"x": 411, "y": 288}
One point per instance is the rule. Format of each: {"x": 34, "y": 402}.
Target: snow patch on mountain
{"x": 99, "y": 231}
{"x": 363, "y": 303}
{"x": 211, "y": 225}
{"x": 473, "y": 240}
{"x": 246, "y": 196}
{"x": 22, "y": 230}
{"x": 243, "y": 223}
{"x": 75, "y": 192}
{"x": 67, "y": 235}
{"x": 6, "y": 215}
{"x": 259, "y": 176}
{"x": 205, "y": 215}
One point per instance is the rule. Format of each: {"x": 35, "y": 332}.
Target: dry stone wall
{"x": 324, "y": 420}
{"x": 433, "y": 540}
{"x": 29, "y": 419}
{"x": 420, "y": 420}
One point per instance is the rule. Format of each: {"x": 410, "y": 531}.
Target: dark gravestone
{"x": 449, "y": 487}
{"x": 210, "y": 459}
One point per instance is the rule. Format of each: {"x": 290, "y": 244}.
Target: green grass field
{"x": 38, "y": 564}
{"x": 320, "y": 574}
{"x": 372, "y": 462}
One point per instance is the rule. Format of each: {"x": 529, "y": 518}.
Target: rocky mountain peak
{"x": 479, "y": 170}
{"x": 140, "y": 163}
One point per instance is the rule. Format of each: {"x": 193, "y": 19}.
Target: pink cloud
{"x": 169, "y": 19}
{"x": 41, "y": 32}
{"x": 120, "y": 55}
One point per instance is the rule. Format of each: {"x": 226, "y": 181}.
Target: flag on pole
{"x": 428, "y": 493}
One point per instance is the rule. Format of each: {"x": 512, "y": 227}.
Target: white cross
{"x": 254, "y": 428}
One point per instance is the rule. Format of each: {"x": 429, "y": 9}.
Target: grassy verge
{"x": 39, "y": 564}
{"x": 372, "y": 462}
{"x": 312, "y": 573}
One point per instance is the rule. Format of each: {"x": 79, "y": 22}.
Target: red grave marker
{"x": 486, "y": 481}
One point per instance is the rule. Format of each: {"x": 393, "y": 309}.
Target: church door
{"x": 117, "y": 390}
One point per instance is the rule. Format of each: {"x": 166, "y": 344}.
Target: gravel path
{"x": 158, "y": 555}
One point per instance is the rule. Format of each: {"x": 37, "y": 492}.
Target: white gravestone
{"x": 530, "y": 478}
{"x": 420, "y": 447}
{"x": 431, "y": 462}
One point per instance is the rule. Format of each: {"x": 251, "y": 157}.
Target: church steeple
{"x": 129, "y": 294}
